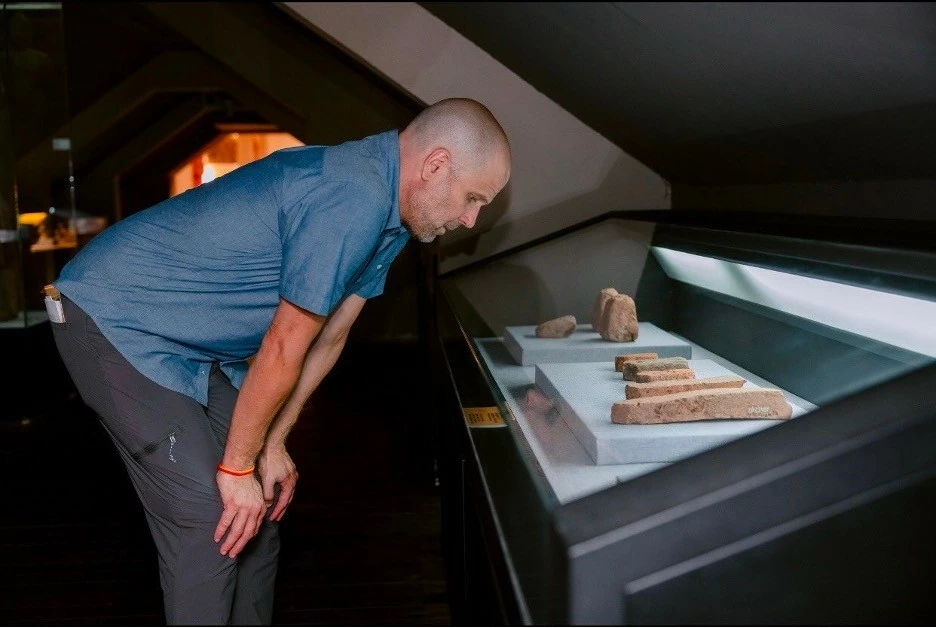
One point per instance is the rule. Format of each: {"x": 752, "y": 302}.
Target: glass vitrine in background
{"x": 742, "y": 521}
{"x": 38, "y": 223}
{"x": 37, "y": 209}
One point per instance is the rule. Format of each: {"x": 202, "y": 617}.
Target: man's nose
{"x": 469, "y": 217}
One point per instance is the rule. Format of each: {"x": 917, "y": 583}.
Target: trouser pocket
{"x": 167, "y": 440}
{"x": 140, "y": 415}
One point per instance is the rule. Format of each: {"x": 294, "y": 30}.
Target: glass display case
{"x": 39, "y": 225}
{"x": 557, "y": 514}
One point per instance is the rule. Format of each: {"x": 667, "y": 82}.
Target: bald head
{"x": 454, "y": 158}
{"x": 464, "y": 126}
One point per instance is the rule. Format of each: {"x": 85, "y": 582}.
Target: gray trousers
{"x": 171, "y": 446}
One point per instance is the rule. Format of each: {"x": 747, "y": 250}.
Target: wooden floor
{"x": 361, "y": 542}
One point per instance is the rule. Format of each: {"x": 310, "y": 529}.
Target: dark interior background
{"x": 812, "y": 107}
{"x": 176, "y": 73}
{"x": 798, "y": 108}
{"x": 806, "y": 109}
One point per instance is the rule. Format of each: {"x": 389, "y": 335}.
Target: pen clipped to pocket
{"x": 53, "y": 304}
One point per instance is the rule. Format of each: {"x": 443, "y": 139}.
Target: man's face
{"x": 446, "y": 202}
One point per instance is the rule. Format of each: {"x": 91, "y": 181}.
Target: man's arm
{"x": 275, "y": 465}
{"x": 270, "y": 379}
{"x": 320, "y": 360}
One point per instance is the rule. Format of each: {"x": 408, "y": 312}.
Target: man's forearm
{"x": 319, "y": 361}
{"x": 266, "y": 387}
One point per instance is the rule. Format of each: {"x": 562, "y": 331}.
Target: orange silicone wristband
{"x": 224, "y": 469}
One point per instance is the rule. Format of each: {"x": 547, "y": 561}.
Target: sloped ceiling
{"x": 732, "y": 93}
{"x": 134, "y": 68}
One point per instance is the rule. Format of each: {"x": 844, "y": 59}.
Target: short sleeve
{"x": 373, "y": 288}
{"x": 327, "y": 238}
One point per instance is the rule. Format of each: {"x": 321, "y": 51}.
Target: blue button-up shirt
{"x": 197, "y": 278}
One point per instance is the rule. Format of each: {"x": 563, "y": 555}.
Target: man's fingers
{"x": 291, "y": 496}
{"x": 287, "y": 488}
{"x": 224, "y": 523}
{"x": 237, "y": 529}
{"x": 250, "y": 530}
{"x": 268, "y": 484}
{"x": 283, "y": 511}
{"x": 280, "y": 504}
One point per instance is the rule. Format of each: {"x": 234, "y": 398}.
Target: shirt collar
{"x": 391, "y": 145}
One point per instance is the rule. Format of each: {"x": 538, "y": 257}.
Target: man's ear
{"x": 435, "y": 161}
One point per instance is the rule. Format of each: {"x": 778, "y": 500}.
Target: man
{"x": 198, "y": 328}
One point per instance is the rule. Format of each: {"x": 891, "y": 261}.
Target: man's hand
{"x": 276, "y": 467}
{"x": 243, "y": 511}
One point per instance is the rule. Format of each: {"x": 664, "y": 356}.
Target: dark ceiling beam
{"x": 171, "y": 72}
{"x": 336, "y": 99}
{"x": 101, "y": 186}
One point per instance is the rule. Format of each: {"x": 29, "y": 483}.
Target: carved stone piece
{"x": 665, "y": 364}
{"x": 661, "y": 376}
{"x": 700, "y": 405}
{"x": 598, "y": 309}
{"x": 536, "y": 401}
{"x": 656, "y": 389}
{"x": 619, "y": 320}
{"x": 619, "y": 360}
{"x": 561, "y": 327}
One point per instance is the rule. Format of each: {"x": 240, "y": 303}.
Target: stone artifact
{"x": 656, "y": 389}
{"x": 666, "y": 364}
{"x": 619, "y": 319}
{"x": 536, "y": 401}
{"x": 619, "y": 360}
{"x": 700, "y": 405}
{"x": 661, "y": 376}
{"x": 561, "y": 327}
{"x": 598, "y": 309}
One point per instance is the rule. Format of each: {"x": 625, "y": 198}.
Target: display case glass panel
{"x": 820, "y": 316}
{"x": 814, "y": 337}
{"x": 39, "y": 225}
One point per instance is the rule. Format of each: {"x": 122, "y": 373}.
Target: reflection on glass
{"x": 892, "y": 318}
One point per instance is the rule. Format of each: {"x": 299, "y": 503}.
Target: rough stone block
{"x": 665, "y": 364}
{"x": 536, "y": 401}
{"x": 700, "y": 405}
{"x": 561, "y": 327}
{"x": 656, "y": 389}
{"x": 619, "y": 360}
{"x": 598, "y": 309}
{"x": 619, "y": 319}
{"x": 660, "y": 376}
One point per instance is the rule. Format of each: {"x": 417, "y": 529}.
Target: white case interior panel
{"x": 585, "y": 392}
{"x": 585, "y": 345}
